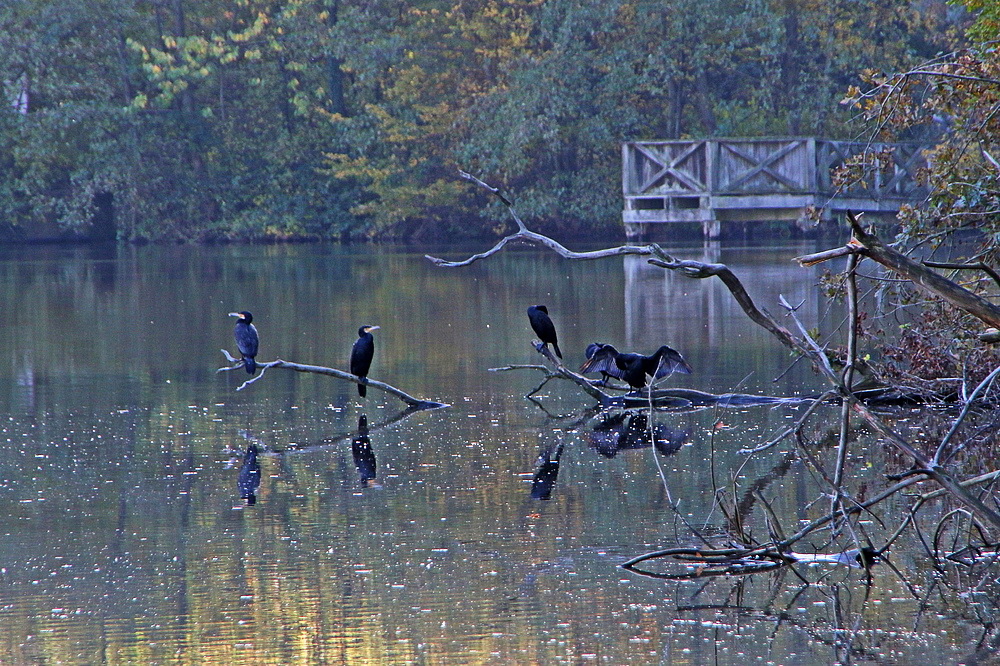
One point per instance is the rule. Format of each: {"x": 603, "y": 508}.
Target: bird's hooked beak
{"x": 236, "y": 314}
{"x": 369, "y": 329}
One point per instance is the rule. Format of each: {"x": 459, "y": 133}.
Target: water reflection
{"x": 622, "y": 431}
{"x": 364, "y": 456}
{"x": 138, "y": 554}
{"x": 547, "y": 470}
{"x": 701, "y": 318}
{"x": 249, "y": 478}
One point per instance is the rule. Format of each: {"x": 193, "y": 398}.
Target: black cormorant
{"x": 543, "y": 327}
{"x": 362, "y": 354}
{"x": 246, "y": 339}
{"x": 249, "y": 478}
{"x": 592, "y": 349}
{"x": 633, "y": 368}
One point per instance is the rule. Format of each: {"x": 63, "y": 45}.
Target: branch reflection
{"x": 365, "y": 462}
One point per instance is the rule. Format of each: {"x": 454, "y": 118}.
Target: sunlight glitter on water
{"x": 121, "y": 471}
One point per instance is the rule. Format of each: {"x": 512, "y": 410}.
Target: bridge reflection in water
{"x": 702, "y": 320}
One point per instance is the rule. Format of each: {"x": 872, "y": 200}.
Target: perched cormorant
{"x": 249, "y": 478}
{"x": 362, "y": 354}
{"x": 246, "y": 339}
{"x": 592, "y": 349}
{"x": 543, "y": 327}
{"x": 633, "y": 368}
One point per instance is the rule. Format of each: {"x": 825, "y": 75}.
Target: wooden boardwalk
{"x": 712, "y": 181}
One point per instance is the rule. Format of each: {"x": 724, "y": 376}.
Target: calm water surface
{"x": 124, "y": 539}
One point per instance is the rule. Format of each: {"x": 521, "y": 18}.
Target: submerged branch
{"x": 709, "y": 562}
{"x": 333, "y": 372}
{"x": 662, "y": 397}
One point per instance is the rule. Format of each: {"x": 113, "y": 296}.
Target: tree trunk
{"x": 334, "y": 71}
{"x": 789, "y": 62}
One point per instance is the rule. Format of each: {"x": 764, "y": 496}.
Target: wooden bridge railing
{"x": 712, "y": 180}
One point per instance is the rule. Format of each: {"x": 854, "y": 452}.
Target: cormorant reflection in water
{"x": 249, "y": 479}
{"x": 623, "y": 431}
{"x": 364, "y": 457}
{"x": 547, "y": 471}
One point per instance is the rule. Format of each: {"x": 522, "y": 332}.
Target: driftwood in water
{"x": 707, "y": 562}
{"x": 662, "y": 397}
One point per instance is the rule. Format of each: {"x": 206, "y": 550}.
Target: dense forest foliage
{"x": 249, "y": 119}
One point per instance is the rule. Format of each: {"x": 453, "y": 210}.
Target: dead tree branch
{"x": 526, "y": 235}
{"x": 802, "y": 344}
{"x": 331, "y": 372}
{"x": 922, "y": 464}
{"x": 562, "y": 371}
{"x": 977, "y": 266}
{"x": 871, "y": 246}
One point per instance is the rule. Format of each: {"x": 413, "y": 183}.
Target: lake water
{"x": 124, "y": 539}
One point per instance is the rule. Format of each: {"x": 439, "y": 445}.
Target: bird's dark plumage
{"x": 538, "y": 316}
{"x": 362, "y": 354}
{"x": 592, "y": 349}
{"x": 633, "y": 368}
{"x": 249, "y": 478}
{"x": 247, "y": 340}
